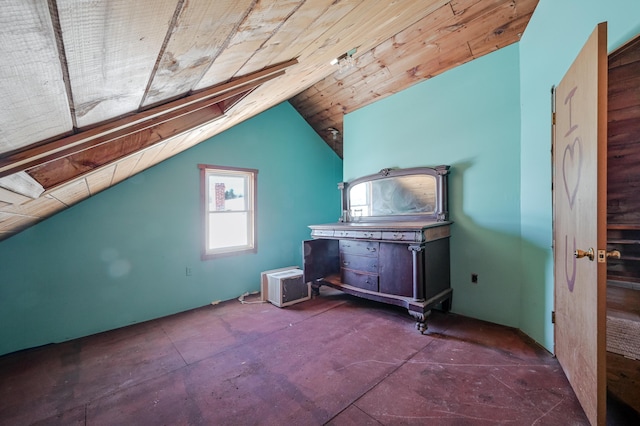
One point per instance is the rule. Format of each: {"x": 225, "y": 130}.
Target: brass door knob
{"x": 579, "y": 254}
{"x": 613, "y": 254}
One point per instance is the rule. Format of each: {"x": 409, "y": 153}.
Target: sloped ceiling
{"x": 96, "y": 91}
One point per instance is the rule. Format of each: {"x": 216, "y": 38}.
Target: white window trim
{"x": 251, "y": 176}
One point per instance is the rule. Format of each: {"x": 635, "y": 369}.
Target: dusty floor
{"x": 332, "y": 360}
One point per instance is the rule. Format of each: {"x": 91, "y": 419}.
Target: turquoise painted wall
{"x": 120, "y": 257}
{"x": 553, "y": 38}
{"x": 490, "y": 119}
{"x": 468, "y": 118}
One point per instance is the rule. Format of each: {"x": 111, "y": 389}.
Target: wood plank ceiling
{"x": 94, "y": 91}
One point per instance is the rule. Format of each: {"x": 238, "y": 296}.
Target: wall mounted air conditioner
{"x": 287, "y": 287}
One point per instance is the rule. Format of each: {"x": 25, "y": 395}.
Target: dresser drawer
{"x": 359, "y": 263}
{"x": 368, "y": 235}
{"x": 344, "y": 234}
{"x": 322, "y": 232}
{"x": 409, "y": 236}
{"x": 363, "y": 248}
{"x": 360, "y": 280}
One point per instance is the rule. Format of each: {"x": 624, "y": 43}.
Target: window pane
{"x": 228, "y": 230}
{"x": 227, "y": 193}
{"x": 228, "y": 208}
{"x": 359, "y": 199}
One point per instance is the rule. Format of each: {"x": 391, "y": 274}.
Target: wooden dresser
{"x": 400, "y": 257}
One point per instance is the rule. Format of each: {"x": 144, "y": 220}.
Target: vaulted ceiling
{"x": 96, "y": 91}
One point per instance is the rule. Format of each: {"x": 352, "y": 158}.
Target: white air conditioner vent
{"x": 287, "y": 288}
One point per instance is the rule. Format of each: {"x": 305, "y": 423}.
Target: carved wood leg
{"x": 315, "y": 288}
{"x": 421, "y": 320}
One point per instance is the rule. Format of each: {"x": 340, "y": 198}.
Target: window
{"x": 228, "y": 203}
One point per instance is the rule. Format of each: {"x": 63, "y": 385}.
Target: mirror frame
{"x": 441, "y": 213}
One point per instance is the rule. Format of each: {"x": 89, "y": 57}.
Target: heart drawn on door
{"x": 571, "y": 168}
{"x": 568, "y": 254}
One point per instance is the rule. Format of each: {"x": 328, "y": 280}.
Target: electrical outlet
{"x": 474, "y": 278}
{"x": 187, "y": 271}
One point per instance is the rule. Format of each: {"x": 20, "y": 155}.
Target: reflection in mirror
{"x": 399, "y": 195}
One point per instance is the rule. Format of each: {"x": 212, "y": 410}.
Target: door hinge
{"x": 553, "y": 317}
{"x": 553, "y": 105}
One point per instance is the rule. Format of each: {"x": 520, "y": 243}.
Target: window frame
{"x": 251, "y": 176}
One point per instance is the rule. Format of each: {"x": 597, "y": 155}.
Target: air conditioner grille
{"x": 287, "y": 288}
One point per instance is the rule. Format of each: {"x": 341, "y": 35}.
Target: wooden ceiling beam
{"x": 175, "y": 112}
{"x": 64, "y": 169}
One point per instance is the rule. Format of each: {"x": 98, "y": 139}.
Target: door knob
{"x": 581, "y": 253}
{"x": 613, "y": 254}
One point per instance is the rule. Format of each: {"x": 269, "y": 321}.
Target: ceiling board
{"x": 200, "y": 33}
{"x": 260, "y": 24}
{"x": 168, "y": 150}
{"x": 148, "y": 157}
{"x": 125, "y": 167}
{"x": 72, "y": 192}
{"x": 34, "y": 103}
{"x": 100, "y": 180}
{"x": 39, "y": 208}
{"x": 11, "y": 197}
{"x": 512, "y": 28}
{"x": 308, "y": 23}
{"x": 111, "y": 49}
{"x": 12, "y": 223}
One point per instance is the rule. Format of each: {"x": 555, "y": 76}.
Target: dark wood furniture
{"x": 391, "y": 243}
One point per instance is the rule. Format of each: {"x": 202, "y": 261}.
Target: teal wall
{"x": 468, "y": 118}
{"x": 554, "y": 36}
{"x": 120, "y": 257}
{"x": 490, "y": 120}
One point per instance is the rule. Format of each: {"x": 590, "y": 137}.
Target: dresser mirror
{"x": 399, "y": 195}
{"x": 396, "y": 194}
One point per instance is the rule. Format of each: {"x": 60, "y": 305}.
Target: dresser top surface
{"x": 382, "y": 226}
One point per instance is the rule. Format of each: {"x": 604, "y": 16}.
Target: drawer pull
{"x": 398, "y": 236}
{"x": 371, "y": 249}
{"x": 345, "y": 263}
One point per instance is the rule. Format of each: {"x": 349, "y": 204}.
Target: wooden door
{"x": 579, "y": 207}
